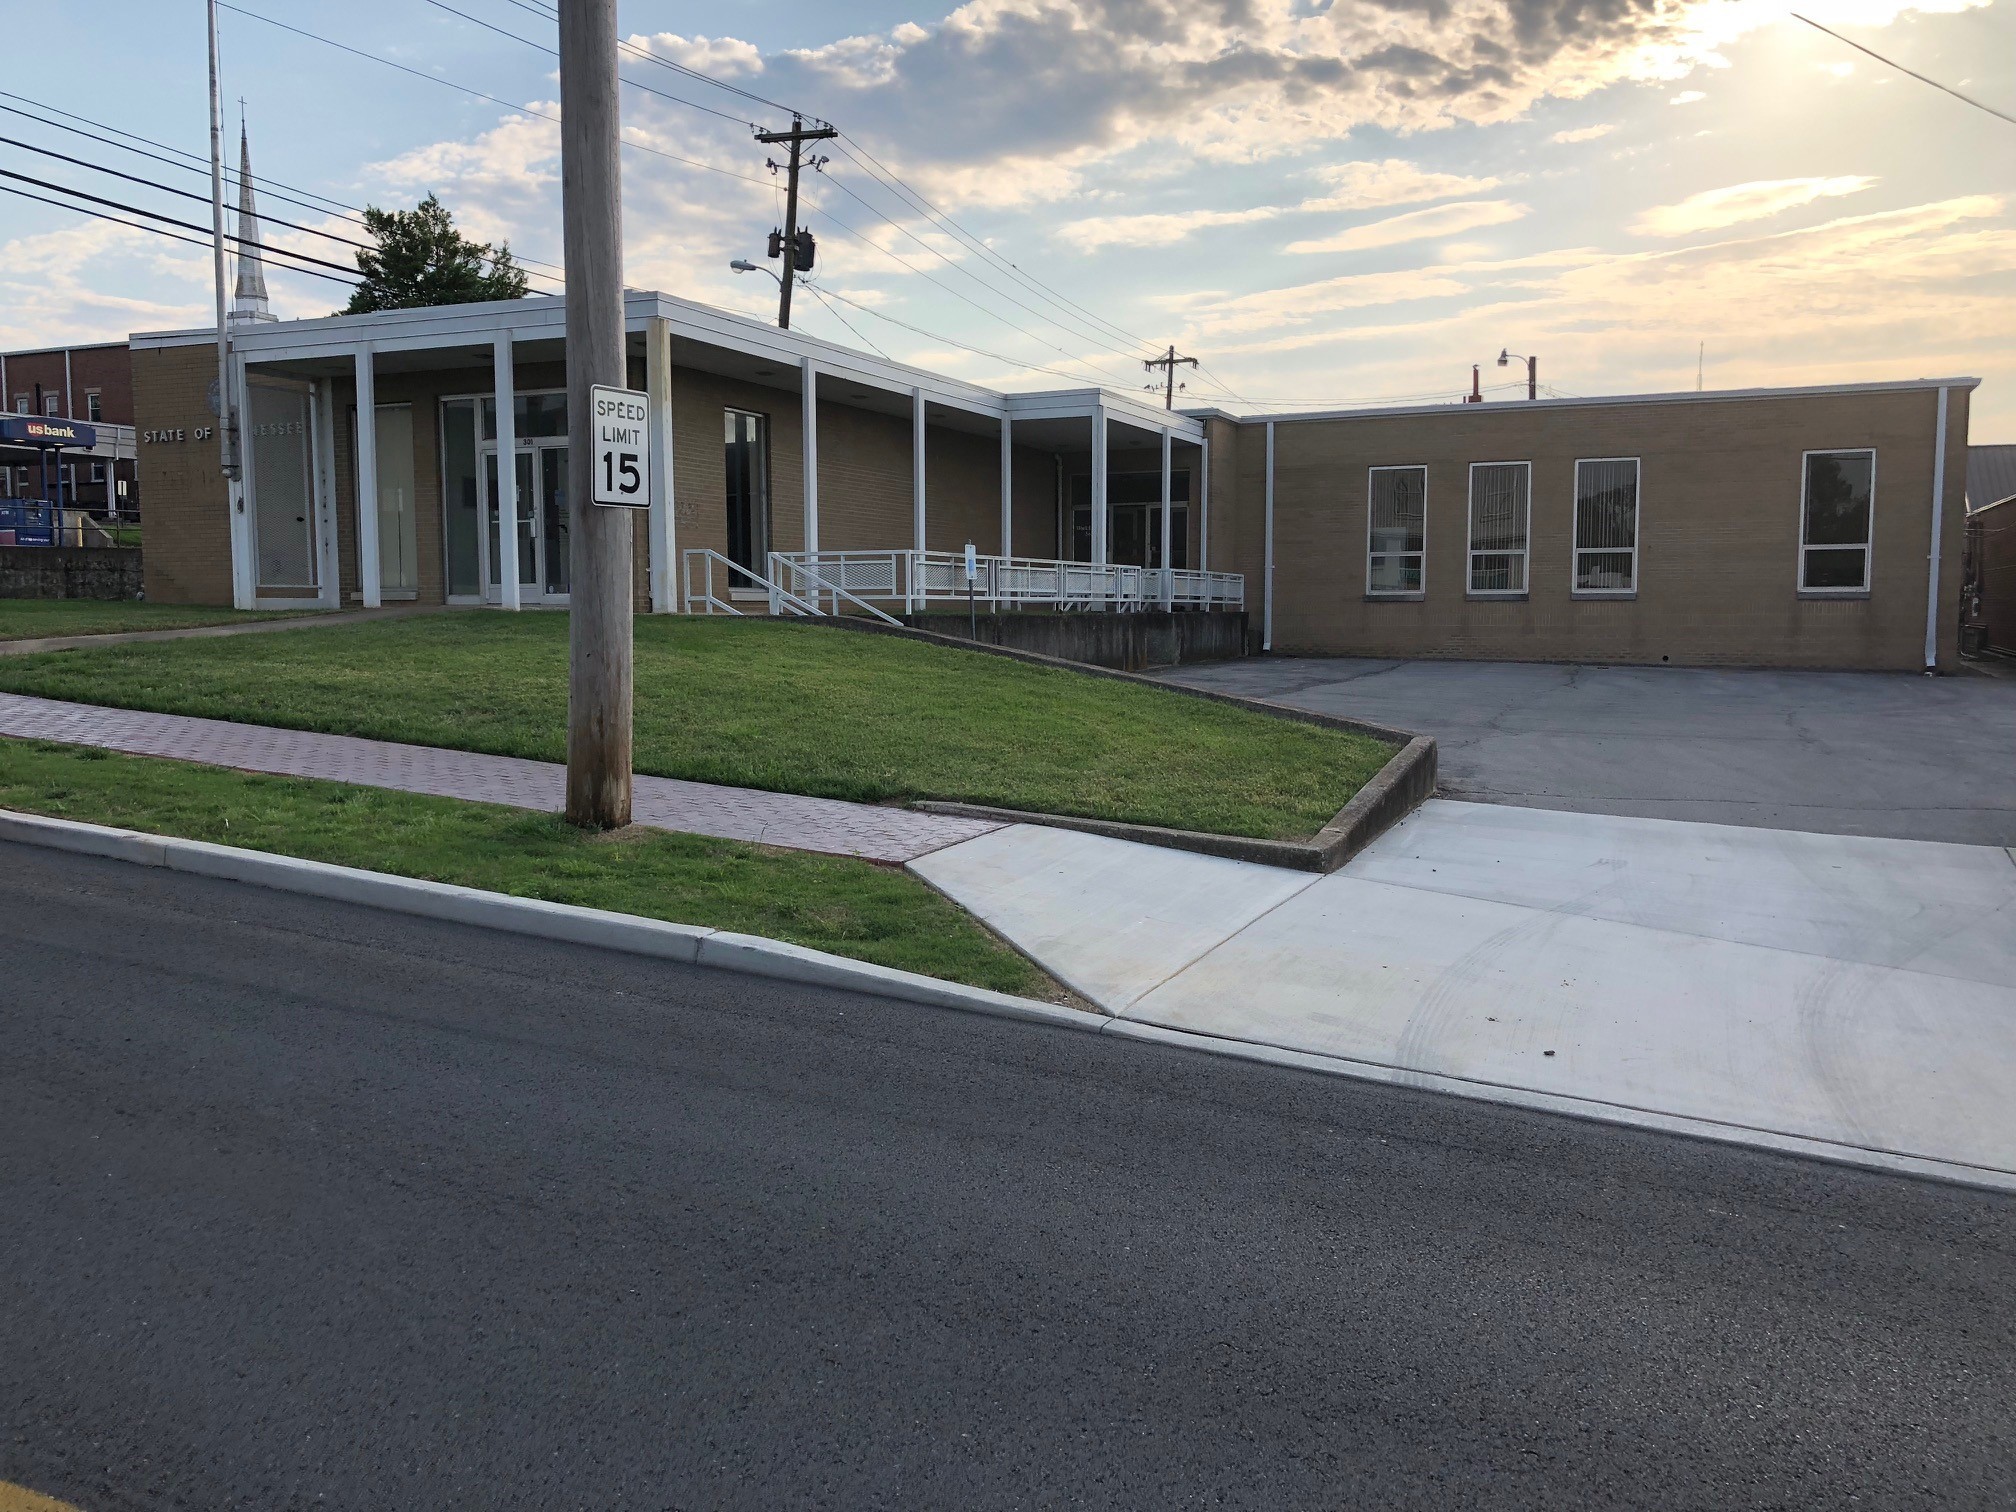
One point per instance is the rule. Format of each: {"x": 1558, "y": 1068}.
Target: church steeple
{"x": 249, "y": 303}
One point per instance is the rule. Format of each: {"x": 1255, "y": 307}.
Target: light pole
{"x": 1507, "y": 358}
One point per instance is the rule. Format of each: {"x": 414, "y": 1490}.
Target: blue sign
{"x": 37, "y": 430}
{"x": 27, "y": 522}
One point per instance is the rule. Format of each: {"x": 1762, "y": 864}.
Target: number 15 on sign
{"x": 622, "y": 447}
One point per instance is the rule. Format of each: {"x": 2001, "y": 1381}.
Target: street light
{"x": 743, "y": 265}
{"x": 1506, "y": 358}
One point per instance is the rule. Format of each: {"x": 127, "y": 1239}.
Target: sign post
{"x": 972, "y": 573}
{"x": 601, "y": 595}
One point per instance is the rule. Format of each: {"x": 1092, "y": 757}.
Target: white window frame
{"x": 1868, "y": 543}
{"x": 1470, "y": 552}
{"x": 89, "y": 395}
{"x": 97, "y": 473}
{"x": 1397, "y": 593}
{"x": 1575, "y": 549}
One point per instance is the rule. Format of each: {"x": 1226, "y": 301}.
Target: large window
{"x": 1606, "y": 525}
{"x": 746, "y": 459}
{"x": 1134, "y": 518}
{"x": 1396, "y": 530}
{"x": 1500, "y": 511}
{"x": 1834, "y": 514}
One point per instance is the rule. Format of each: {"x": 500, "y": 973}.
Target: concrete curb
{"x": 721, "y": 949}
{"x": 755, "y": 956}
{"x": 1584, "y": 1109}
{"x": 1403, "y": 784}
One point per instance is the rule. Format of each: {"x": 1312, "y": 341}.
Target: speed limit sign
{"x": 622, "y": 447}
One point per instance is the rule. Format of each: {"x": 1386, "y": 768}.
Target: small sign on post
{"x": 972, "y": 576}
{"x": 622, "y": 464}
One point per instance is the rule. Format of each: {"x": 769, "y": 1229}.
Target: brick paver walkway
{"x": 701, "y": 808}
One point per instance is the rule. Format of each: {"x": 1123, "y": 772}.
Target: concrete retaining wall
{"x": 1127, "y": 642}
{"x": 69, "y": 572}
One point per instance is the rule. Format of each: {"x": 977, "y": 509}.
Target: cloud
{"x": 1352, "y": 186}
{"x": 723, "y": 57}
{"x": 1687, "y": 97}
{"x": 1091, "y": 234}
{"x": 1582, "y": 134}
{"x": 1370, "y": 186}
{"x": 1712, "y": 209}
{"x": 1416, "y": 225}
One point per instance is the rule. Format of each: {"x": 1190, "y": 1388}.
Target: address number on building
{"x": 622, "y": 447}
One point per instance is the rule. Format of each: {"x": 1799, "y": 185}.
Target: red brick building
{"x": 89, "y": 383}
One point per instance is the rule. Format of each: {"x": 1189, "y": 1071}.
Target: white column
{"x": 244, "y": 566}
{"x": 1938, "y": 511}
{"x": 1007, "y": 486}
{"x": 810, "y": 385}
{"x": 328, "y": 557}
{"x": 505, "y": 384}
{"x": 662, "y": 528}
{"x": 1204, "y": 501}
{"x": 1267, "y": 573}
{"x": 1099, "y": 488}
{"x": 367, "y": 479}
{"x": 918, "y": 540}
{"x": 1168, "y": 566}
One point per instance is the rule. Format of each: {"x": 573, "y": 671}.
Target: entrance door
{"x": 544, "y": 521}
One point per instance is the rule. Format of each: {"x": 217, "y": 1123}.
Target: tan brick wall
{"x": 187, "y": 558}
{"x": 1720, "y": 487}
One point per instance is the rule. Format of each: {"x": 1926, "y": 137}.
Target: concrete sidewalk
{"x": 1847, "y": 996}
{"x": 867, "y": 831}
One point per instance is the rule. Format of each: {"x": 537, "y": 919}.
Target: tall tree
{"x": 423, "y": 260}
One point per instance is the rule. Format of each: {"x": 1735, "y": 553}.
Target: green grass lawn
{"x": 32, "y": 619}
{"x": 851, "y": 908}
{"x": 792, "y": 708}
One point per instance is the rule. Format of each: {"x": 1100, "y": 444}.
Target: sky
{"x": 1329, "y": 202}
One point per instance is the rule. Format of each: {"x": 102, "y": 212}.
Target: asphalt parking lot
{"x": 1848, "y": 753}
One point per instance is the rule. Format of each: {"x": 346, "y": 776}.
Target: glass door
{"x": 528, "y": 528}
{"x": 555, "y": 536}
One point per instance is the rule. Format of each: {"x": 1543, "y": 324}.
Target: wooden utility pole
{"x": 599, "y": 687}
{"x": 1169, "y": 363}
{"x": 796, "y": 138}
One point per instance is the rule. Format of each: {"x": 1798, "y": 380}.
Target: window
{"x": 1396, "y": 529}
{"x": 20, "y": 404}
{"x": 97, "y": 472}
{"x": 1606, "y": 525}
{"x": 52, "y": 404}
{"x": 1834, "y": 514}
{"x": 94, "y": 406}
{"x": 746, "y": 455}
{"x": 1500, "y": 499}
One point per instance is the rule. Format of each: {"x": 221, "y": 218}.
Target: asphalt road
{"x": 308, "y": 1205}
{"x": 1842, "y": 753}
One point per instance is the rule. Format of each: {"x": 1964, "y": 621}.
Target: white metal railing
{"x": 916, "y": 579}
{"x": 705, "y": 599}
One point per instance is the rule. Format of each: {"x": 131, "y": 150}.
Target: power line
{"x": 539, "y": 115}
{"x": 554, "y": 53}
{"x": 134, "y": 178}
{"x": 1014, "y": 362}
{"x": 881, "y": 172}
{"x": 1103, "y": 341}
{"x": 820, "y": 295}
{"x": 1893, "y": 63}
{"x": 269, "y": 187}
{"x": 156, "y": 230}
{"x": 644, "y": 54}
{"x": 170, "y": 220}
{"x": 911, "y": 267}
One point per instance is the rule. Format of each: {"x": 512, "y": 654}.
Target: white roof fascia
{"x": 1072, "y": 404}
{"x": 1688, "y": 396}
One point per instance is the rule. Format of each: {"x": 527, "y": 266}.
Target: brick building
{"x": 1793, "y": 527}
{"x": 93, "y": 384}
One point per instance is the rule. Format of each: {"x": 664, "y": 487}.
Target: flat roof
{"x": 544, "y": 318}
{"x": 1686, "y": 396}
